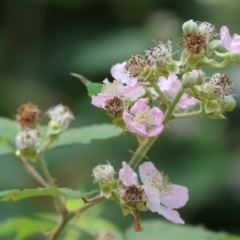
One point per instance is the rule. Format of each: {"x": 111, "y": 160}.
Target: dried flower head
{"x": 28, "y": 114}
{"x": 114, "y": 107}
{"x": 207, "y": 29}
{"x": 194, "y": 42}
{"x": 27, "y": 138}
{"x": 135, "y": 65}
{"x": 104, "y": 173}
{"x": 159, "y": 55}
{"x": 60, "y": 117}
{"x": 220, "y": 85}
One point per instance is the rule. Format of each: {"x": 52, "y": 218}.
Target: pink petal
{"x": 117, "y": 70}
{"x": 149, "y": 174}
{"x": 133, "y": 92}
{"x": 169, "y": 86}
{"x": 153, "y": 199}
{"x": 140, "y": 105}
{"x": 176, "y": 198}
{"x": 100, "y": 99}
{"x": 127, "y": 175}
{"x": 170, "y": 214}
{"x": 225, "y": 37}
{"x": 235, "y": 44}
{"x": 186, "y": 101}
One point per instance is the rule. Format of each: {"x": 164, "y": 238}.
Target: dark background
{"x": 41, "y": 42}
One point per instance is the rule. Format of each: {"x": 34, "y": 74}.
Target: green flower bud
{"x": 217, "y": 45}
{"x": 190, "y": 26}
{"x": 193, "y": 78}
{"x": 235, "y": 56}
{"x": 228, "y": 103}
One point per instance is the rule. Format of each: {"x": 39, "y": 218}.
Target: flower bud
{"x": 228, "y": 103}
{"x": 190, "y": 26}
{"x": 235, "y": 56}
{"x": 217, "y": 45}
{"x": 193, "y": 78}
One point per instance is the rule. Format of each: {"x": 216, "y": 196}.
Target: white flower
{"x": 104, "y": 173}
{"x": 60, "y": 116}
{"x": 159, "y": 55}
{"x": 27, "y": 138}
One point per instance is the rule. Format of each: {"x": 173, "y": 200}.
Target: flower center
{"x": 133, "y": 195}
{"x": 135, "y": 65}
{"x": 194, "y": 42}
{"x": 143, "y": 117}
{"x": 114, "y": 88}
{"x": 114, "y": 107}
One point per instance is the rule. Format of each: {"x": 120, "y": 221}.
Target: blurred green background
{"x": 42, "y": 41}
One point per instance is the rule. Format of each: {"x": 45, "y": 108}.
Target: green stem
{"x": 45, "y": 171}
{"x": 64, "y": 221}
{"x": 188, "y": 115}
{"x": 143, "y": 148}
{"x": 162, "y": 96}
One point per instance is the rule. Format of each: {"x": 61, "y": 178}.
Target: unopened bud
{"x": 193, "y": 78}
{"x": 190, "y": 26}
{"x": 228, "y": 103}
{"x": 217, "y": 45}
{"x": 235, "y": 56}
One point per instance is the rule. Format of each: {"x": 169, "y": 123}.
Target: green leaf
{"x": 15, "y": 195}
{"x": 24, "y": 227}
{"x": 93, "y": 88}
{"x": 85, "y": 135}
{"x": 155, "y": 229}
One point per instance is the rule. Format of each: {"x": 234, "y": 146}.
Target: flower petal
{"x": 140, "y": 105}
{"x": 117, "y": 70}
{"x": 186, "y": 101}
{"x": 235, "y": 44}
{"x": 153, "y": 198}
{"x": 133, "y": 92}
{"x": 171, "y": 215}
{"x": 225, "y": 37}
{"x": 149, "y": 174}
{"x": 176, "y": 198}
{"x": 127, "y": 175}
{"x": 100, "y": 99}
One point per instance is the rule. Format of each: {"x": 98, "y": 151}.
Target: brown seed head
{"x": 28, "y": 114}
{"x": 194, "y": 43}
{"x": 114, "y": 107}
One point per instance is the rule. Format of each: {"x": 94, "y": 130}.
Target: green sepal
{"x": 211, "y": 106}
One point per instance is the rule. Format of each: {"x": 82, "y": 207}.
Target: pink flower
{"x": 142, "y": 120}
{"x": 119, "y": 73}
{"x": 150, "y": 194}
{"x": 171, "y": 196}
{"x": 170, "y": 87}
{"x": 231, "y": 44}
{"x": 161, "y": 196}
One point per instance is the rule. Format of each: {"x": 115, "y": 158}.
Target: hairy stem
{"x": 31, "y": 170}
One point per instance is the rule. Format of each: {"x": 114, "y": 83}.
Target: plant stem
{"x": 45, "y": 171}
{"x": 162, "y": 96}
{"x": 31, "y": 170}
{"x": 64, "y": 221}
{"x": 143, "y": 148}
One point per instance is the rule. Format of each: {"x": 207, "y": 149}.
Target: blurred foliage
{"x": 42, "y": 41}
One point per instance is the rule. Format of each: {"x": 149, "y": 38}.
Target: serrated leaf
{"x": 23, "y": 227}
{"x": 155, "y": 229}
{"x": 15, "y": 194}
{"x": 92, "y": 88}
{"x": 85, "y": 135}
